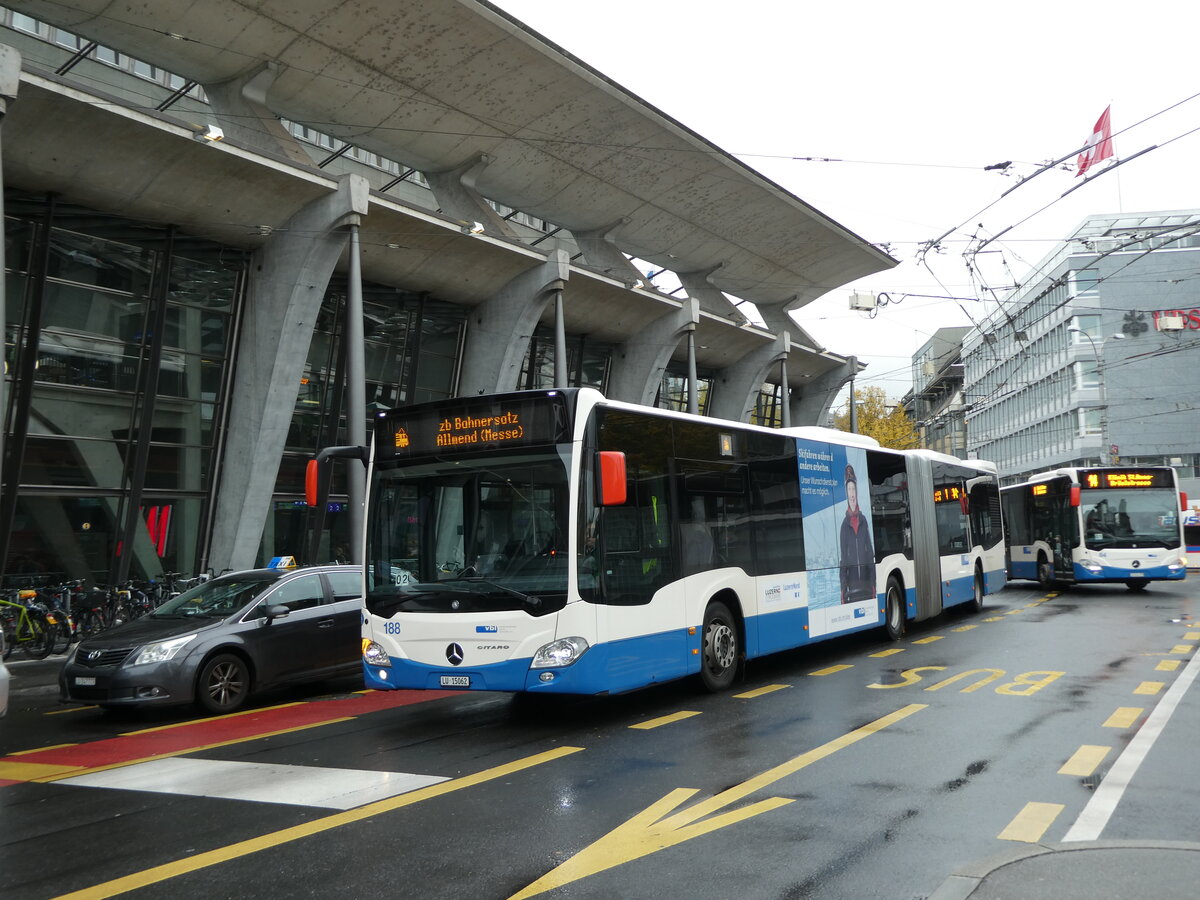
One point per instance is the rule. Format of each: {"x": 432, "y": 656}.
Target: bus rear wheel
{"x": 893, "y": 610}
{"x": 719, "y": 647}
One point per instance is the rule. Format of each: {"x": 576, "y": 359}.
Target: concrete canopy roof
{"x": 433, "y": 85}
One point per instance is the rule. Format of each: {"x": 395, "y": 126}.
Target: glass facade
{"x": 125, "y": 329}
{"x": 128, "y": 332}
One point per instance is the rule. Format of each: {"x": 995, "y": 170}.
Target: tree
{"x": 889, "y": 424}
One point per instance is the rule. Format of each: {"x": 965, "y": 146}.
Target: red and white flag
{"x": 1099, "y": 145}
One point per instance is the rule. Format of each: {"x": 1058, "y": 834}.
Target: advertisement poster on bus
{"x": 839, "y": 549}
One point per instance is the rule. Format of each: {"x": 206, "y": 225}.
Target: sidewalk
{"x": 1085, "y": 870}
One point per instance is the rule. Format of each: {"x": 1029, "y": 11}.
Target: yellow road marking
{"x": 758, "y": 692}
{"x": 831, "y": 670}
{"x": 1085, "y": 760}
{"x": 245, "y": 712}
{"x": 1192, "y": 636}
{"x": 1182, "y": 649}
{"x": 994, "y": 619}
{"x": 964, "y": 627}
{"x": 21, "y": 771}
{"x": 891, "y": 652}
{"x": 1031, "y": 822}
{"x": 1123, "y": 717}
{"x": 59, "y": 712}
{"x": 41, "y": 749}
{"x": 1013, "y": 612}
{"x": 1149, "y": 687}
{"x": 659, "y": 826}
{"x": 929, "y": 640}
{"x": 306, "y": 829}
{"x": 1168, "y": 665}
{"x": 665, "y": 720}
{"x": 186, "y": 750}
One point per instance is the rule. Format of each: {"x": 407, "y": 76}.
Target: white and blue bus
{"x": 559, "y": 542}
{"x": 1108, "y": 524}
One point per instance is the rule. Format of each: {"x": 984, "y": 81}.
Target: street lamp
{"x": 1106, "y": 448}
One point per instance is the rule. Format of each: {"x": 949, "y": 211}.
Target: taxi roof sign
{"x": 282, "y": 562}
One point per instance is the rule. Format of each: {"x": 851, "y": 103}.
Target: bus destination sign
{"x": 471, "y": 426}
{"x": 949, "y": 494}
{"x": 1126, "y": 478}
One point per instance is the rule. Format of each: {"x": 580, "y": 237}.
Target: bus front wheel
{"x": 894, "y": 610}
{"x": 977, "y": 600}
{"x": 1045, "y": 573}
{"x": 1136, "y": 585}
{"x": 718, "y": 665}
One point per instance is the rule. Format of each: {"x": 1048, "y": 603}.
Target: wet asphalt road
{"x": 852, "y": 769}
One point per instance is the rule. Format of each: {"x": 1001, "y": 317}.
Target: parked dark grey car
{"x": 225, "y": 639}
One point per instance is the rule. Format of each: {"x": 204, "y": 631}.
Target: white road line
{"x": 260, "y": 782}
{"x": 1095, "y": 815}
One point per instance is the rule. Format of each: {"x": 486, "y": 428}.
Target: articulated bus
{"x": 1102, "y": 525}
{"x": 558, "y": 542}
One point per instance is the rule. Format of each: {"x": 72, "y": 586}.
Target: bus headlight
{"x": 1180, "y": 564}
{"x": 563, "y": 652}
{"x": 374, "y": 655}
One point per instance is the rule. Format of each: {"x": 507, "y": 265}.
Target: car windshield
{"x": 218, "y": 598}
{"x": 470, "y": 534}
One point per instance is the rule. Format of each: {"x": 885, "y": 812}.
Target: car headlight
{"x": 374, "y": 655}
{"x": 161, "y": 651}
{"x": 563, "y": 652}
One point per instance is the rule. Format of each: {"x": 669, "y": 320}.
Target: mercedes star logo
{"x": 454, "y": 653}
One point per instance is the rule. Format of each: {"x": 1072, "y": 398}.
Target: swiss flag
{"x": 1099, "y": 145}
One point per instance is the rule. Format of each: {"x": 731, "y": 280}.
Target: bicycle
{"x": 24, "y": 625}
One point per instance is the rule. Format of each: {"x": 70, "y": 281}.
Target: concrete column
{"x": 810, "y": 405}
{"x": 290, "y": 277}
{"x": 498, "y": 330}
{"x": 10, "y": 79}
{"x": 600, "y": 251}
{"x": 736, "y": 391}
{"x": 712, "y": 300}
{"x": 458, "y": 198}
{"x": 639, "y": 363}
{"x": 240, "y": 108}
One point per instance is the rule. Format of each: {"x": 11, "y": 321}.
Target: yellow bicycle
{"x": 24, "y": 627}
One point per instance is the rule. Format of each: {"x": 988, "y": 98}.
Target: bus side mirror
{"x": 311, "y": 473}
{"x": 1075, "y": 495}
{"x": 611, "y": 468}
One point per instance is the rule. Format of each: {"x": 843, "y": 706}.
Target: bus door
{"x": 1056, "y": 522}
{"x": 642, "y": 622}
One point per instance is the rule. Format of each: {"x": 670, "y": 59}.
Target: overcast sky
{"x": 914, "y": 100}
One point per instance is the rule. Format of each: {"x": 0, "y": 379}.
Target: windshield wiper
{"x": 532, "y": 601}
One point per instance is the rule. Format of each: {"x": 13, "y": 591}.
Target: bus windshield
{"x": 482, "y": 534}
{"x": 1130, "y": 518}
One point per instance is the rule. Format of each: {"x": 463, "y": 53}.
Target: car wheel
{"x": 224, "y": 684}
{"x": 893, "y": 609}
{"x": 719, "y": 653}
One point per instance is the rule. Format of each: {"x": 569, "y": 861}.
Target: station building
{"x": 1093, "y": 359}
{"x": 226, "y": 220}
